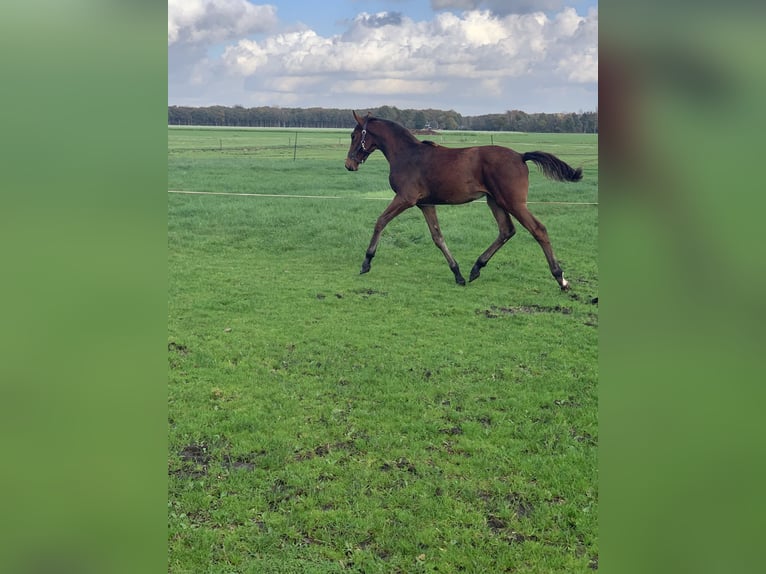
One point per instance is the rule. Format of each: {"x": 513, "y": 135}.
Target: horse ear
{"x": 357, "y": 118}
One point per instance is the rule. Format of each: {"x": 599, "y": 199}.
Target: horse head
{"x": 362, "y": 143}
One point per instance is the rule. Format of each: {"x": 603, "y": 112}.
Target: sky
{"x": 472, "y": 56}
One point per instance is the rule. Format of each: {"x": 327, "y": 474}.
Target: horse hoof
{"x": 564, "y": 285}
{"x": 474, "y": 274}
{"x": 460, "y": 281}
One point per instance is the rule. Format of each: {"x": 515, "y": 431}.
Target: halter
{"x": 364, "y": 132}
{"x": 362, "y": 143}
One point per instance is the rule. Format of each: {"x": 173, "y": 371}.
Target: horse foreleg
{"x": 397, "y": 206}
{"x": 506, "y": 231}
{"x": 539, "y": 232}
{"x": 429, "y": 212}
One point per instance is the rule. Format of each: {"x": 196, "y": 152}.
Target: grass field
{"x": 323, "y": 421}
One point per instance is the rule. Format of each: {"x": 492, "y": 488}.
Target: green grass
{"x": 323, "y": 421}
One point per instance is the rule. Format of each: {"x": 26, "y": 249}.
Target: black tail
{"x": 553, "y": 167}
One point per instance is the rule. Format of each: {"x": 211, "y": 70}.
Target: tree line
{"x": 275, "y": 117}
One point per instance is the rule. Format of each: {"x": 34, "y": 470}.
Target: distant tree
{"x": 513, "y": 120}
{"x": 388, "y": 113}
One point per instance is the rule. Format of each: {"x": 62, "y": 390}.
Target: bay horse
{"x": 425, "y": 174}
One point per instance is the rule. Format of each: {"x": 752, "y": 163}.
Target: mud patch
{"x": 494, "y": 311}
{"x": 244, "y": 462}
{"x": 583, "y": 299}
{"x": 500, "y": 527}
{"x": 496, "y": 524}
{"x": 583, "y": 437}
{"x": 281, "y": 493}
{"x": 400, "y": 463}
{"x": 366, "y": 293}
{"x": 514, "y": 536}
{"x": 449, "y": 447}
{"x": 570, "y": 401}
{"x": 195, "y": 453}
{"x": 176, "y": 348}
{"x": 521, "y": 507}
{"x": 323, "y": 450}
{"x": 485, "y": 420}
{"x": 322, "y": 296}
{"x": 195, "y": 461}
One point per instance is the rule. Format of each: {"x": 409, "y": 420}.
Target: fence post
{"x": 295, "y": 149}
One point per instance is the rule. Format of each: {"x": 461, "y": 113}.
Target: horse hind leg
{"x": 429, "y": 212}
{"x": 540, "y": 233}
{"x": 506, "y": 231}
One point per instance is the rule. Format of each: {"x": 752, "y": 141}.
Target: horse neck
{"x": 393, "y": 139}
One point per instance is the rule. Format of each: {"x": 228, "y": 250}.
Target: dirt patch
{"x": 449, "y": 447}
{"x": 583, "y": 299}
{"x": 521, "y": 507}
{"x": 514, "y": 536}
{"x": 400, "y": 463}
{"x": 322, "y": 296}
{"x": 323, "y": 450}
{"x": 281, "y": 492}
{"x": 194, "y": 461}
{"x": 500, "y": 527}
{"x": 496, "y": 524}
{"x": 197, "y": 458}
{"x": 494, "y": 311}
{"x": 176, "y": 348}
{"x": 243, "y": 462}
{"x": 584, "y": 437}
{"x": 195, "y": 453}
{"x": 365, "y": 293}
{"x": 486, "y": 421}
{"x": 570, "y": 401}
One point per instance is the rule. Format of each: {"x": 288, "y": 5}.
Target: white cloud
{"x": 391, "y": 86}
{"x": 501, "y": 7}
{"x": 473, "y": 57}
{"x": 409, "y": 49}
{"x": 213, "y": 21}
{"x": 294, "y": 84}
{"x": 580, "y": 65}
{"x": 246, "y": 57}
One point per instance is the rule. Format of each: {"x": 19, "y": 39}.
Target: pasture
{"x": 322, "y": 421}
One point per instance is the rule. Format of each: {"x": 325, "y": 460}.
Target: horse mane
{"x": 400, "y": 130}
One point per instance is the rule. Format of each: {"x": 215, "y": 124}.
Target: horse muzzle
{"x": 352, "y": 164}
